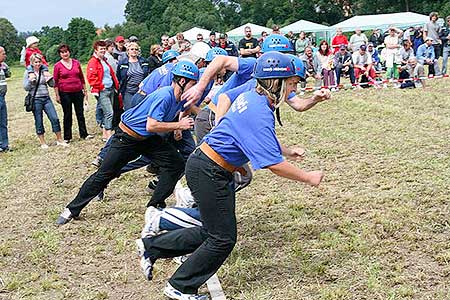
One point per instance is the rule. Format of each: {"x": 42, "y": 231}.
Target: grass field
{"x": 378, "y": 227}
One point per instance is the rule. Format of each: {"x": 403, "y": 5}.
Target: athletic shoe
{"x": 65, "y": 217}
{"x": 97, "y": 161}
{"x": 62, "y": 144}
{"x": 152, "y": 217}
{"x": 173, "y": 293}
{"x": 100, "y": 196}
{"x": 44, "y": 146}
{"x": 183, "y": 196}
{"x": 180, "y": 259}
{"x": 145, "y": 262}
{"x": 152, "y": 185}
{"x": 88, "y": 137}
{"x": 7, "y": 149}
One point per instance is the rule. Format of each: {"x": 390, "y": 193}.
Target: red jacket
{"x": 29, "y": 52}
{"x": 95, "y": 75}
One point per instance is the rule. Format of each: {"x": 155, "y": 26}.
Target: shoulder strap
{"x": 37, "y": 84}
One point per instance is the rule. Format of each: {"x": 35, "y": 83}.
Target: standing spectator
{"x": 276, "y": 29}
{"x": 165, "y": 42}
{"x": 180, "y": 38}
{"x": 376, "y": 38}
{"x": 103, "y": 82}
{"x": 31, "y": 48}
{"x": 248, "y": 46}
{"x": 263, "y": 36}
{"x": 344, "y": 65}
{"x": 133, "y": 38}
{"x": 338, "y": 40}
{"x": 326, "y": 59}
{"x": 357, "y": 40}
{"x": 417, "y": 38}
{"x": 130, "y": 73}
{"x": 292, "y": 39}
{"x": 408, "y": 33}
{"x": 199, "y": 37}
{"x": 312, "y": 66}
{"x": 392, "y": 52}
{"x": 38, "y": 81}
{"x": 212, "y": 39}
{"x": 301, "y": 43}
{"x": 227, "y": 45}
{"x": 362, "y": 62}
{"x": 172, "y": 43}
{"x": 109, "y": 55}
{"x": 431, "y": 30}
{"x": 70, "y": 89}
{"x": 445, "y": 38}
{"x": 4, "y": 73}
{"x": 119, "y": 48}
{"x": 155, "y": 59}
{"x": 425, "y": 56}
{"x": 375, "y": 57}
{"x": 185, "y": 46}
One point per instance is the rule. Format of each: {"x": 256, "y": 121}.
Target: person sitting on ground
{"x": 312, "y": 66}
{"x": 37, "y": 84}
{"x": 363, "y": 65}
{"x": 357, "y": 40}
{"x": 344, "y": 65}
{"x": 375, "y": 57}
{"x": 414, "y": 71}
{"x": 425, "y": 56}
{"x": 326, "y": 59}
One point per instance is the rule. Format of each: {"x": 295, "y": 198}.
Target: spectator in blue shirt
{"x": 425, "y": 56}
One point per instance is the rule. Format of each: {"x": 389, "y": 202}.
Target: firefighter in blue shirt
{"x": 246, "y": 133}
{"x": 138, "y": 134}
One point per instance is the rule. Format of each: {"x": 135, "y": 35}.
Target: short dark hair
{"x": 100, "y": 43}
{"x": 63, "y": 48}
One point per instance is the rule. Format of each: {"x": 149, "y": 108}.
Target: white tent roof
{"x": 191, "y": 34}
{"x": 306, "y": 26}
{"x": 382, "y": 21}
{"x": 256, "y": 30}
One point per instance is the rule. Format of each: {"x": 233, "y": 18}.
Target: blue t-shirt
{"x": 160, "y": 105}
{"x": 107, "y": 79}
{"x": 243, "y": 74}
{"x": 246, "y": 87}
{"x": 153, "y": 81}
{"x": 247, "y": 133}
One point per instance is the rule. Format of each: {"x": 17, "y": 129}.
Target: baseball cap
{"x": 429, "y": 39}
{"x": 222, "y": 36}
{"x": 212, "y": 33}
{"x": 363, "y": 47}
{"x": 342, "y": 47}
{"x": 370, "y": 45}
{"x": 133, "y": 38}
{"x": 120, "y": 39}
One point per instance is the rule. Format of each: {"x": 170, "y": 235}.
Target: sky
{"x": 31, "y": 15}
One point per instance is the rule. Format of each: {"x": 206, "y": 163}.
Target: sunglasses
{"x": 164, "y": 40}
{"x": 199, "y": 39}
{"x": 135, "y": 49}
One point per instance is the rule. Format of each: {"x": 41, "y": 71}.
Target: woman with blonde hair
{"x": 155, "y": 59}
{"x": 132, "y": 69}
{"x": 37, "y": 83}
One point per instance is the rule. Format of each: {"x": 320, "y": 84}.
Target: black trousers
{"x": 437, "y": 54}
{"x": 213, "y": 190}
{"x": 125, "y": 148}
{"x": 67, "y": 99}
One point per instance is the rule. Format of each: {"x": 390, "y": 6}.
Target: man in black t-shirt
{"x": 248, "y": 46}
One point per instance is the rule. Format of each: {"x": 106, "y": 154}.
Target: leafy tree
{"x": 80, "y": 35}
{"x": 10, "y": 40}
{"x": 50, "y": 36}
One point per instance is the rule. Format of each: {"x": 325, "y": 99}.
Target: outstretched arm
{"x": 287, "y": 170}
{"x": 300, "y": 104}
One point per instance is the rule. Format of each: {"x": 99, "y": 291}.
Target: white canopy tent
{"x": 382, "y": 21}
{"x": 237, "y": 33}
{"x": 306, "y": 26}
{"x": 191, "y": 34}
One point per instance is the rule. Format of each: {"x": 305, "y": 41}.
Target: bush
{"x": 52, "y": 54}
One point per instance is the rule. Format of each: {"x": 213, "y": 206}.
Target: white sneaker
{"x": 62, "y": 144}
{"x": 44, "y": 146}
{"x": 145, "y": 262}
{"x": 173, "y": 293}
{"x": 183, "y": 196}
{"x": 152, "y": 217}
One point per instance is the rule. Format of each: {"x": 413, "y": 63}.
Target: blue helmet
{"x": 276, "y": 42}
{"x": 186, "y": 69}
{"x": 169, "y": 55}
{"x": 273, "y": 65}
{"x": 214, "y": 52}
{"x": 298, "y": 64}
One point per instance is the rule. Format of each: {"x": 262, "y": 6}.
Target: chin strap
{"x": 182, "y": 87}
{"x": 277, "y": 114}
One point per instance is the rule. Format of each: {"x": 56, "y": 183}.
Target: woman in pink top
{"x": 70, "y": 89}
{"x": 338, "y": 40}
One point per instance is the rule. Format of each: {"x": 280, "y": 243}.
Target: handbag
{"x": 29, "y": 100}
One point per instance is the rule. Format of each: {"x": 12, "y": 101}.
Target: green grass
{"x": 377, "y": 228}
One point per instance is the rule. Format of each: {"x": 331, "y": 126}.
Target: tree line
{"x": 149, "y": 19}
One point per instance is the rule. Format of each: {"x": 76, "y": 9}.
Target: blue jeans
{"x": 41, "y": 105}
{"x": 99, "y": 114}
{"x": 105, "y": 99}
{"x": 445, "y": 55}
{"x": 3, "y": 123}
{"x": 127, "y": 100}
